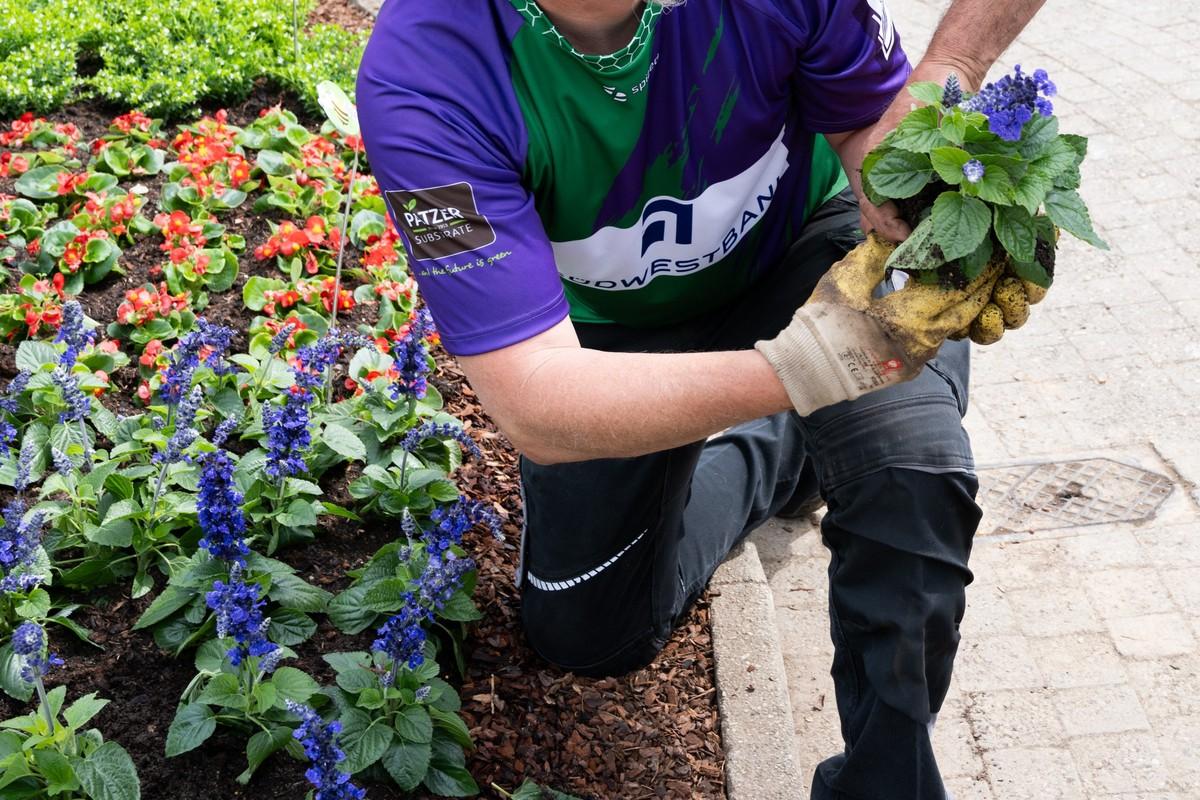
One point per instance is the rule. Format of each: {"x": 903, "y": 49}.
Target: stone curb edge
{"x": 756, "y": 713}
{"x": 757, "y": 730}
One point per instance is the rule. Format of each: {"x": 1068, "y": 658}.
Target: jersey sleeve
{"x": 445, "y": 138}
{"x": 849, "y": 62}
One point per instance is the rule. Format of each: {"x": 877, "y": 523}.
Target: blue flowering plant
{"x": 426, "y": 576}
{"x": 50, "y": 752}
{"x": 413, "y": 472}
{"x": 984, "y": 179}
{"x": 239, "y": 681}
{"x": 399, "y": 721}
{"x": 300, "y": 439}
{"x": 182, "y": 615}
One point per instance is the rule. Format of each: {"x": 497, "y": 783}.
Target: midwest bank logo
{"x": 674, "y": 237}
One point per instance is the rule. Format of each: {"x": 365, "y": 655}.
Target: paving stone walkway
{"x": 1079, "y": 672}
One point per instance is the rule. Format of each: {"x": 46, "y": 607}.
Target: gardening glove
{"x": 844, "y": 342}
{"x": 1007, "y": 309}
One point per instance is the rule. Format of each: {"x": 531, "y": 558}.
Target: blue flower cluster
{"x": 62, "y": 462}
{"x": 1011, "y": 102}
{"x": 78, "y": 405}
{"x": 952, "y": 93}
{"x": 185, "y": 432}
{"x": 224, "y": 430}
{"x": 280, "y": 338}
{"x": 19, "y": 541}
{"x": 452, "y": 521}
{"x": 238, "y": 606}
{"x": 412, "y": 358}
{"x": 29, "y": 642}
{"x": 9, "y": 402}
{"x": 402, "y": 638}
{"x": 434, "y": 430}
{"x": 219, "y": 505}
{"x": 288, "y": 436}
{"x": 73, "y": 333}
{"x": 29, "y": 450}
{"x": 320, "y": 741}
{"x": 441, "y": 579}
{"x": 207, "y": 344}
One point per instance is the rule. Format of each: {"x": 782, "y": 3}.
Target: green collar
{"x": 604, "y": 65}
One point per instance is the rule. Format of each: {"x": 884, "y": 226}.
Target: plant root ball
{"x": 1035, "y": 293}
{"x": 1010, "y": 296}
{"x": 988, "y": 327}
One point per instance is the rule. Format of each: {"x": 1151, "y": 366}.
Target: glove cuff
{"x": 808, "y": 373}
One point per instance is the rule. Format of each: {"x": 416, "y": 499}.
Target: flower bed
{"x": 233, "y": 218}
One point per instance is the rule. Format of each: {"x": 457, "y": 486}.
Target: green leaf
{"x": 56, "y": 768}
{"x": 10, "y": 675}
{"x": 1038, "y": 133}
{"x": 108, "y": 774}
{"x": 1055, "y": 158}
{"x": 32, "y": 355}
{"x": 290, "y": 627}
{"x": 261, "y": 746}
{"x": 973, "y": 265}
{"x": 1030, "y": 191}
{"x": 223, "y": 690}
{"x": 35, "y": 606}
{"x": 1067, "y": 210}
{"x": 996, "y": 186}
{"x": 83, "y": 709}
{"x": 210, "y": 656}
{"x": 348, "y": 613}
{"x": 293, "y": 684}
{"x": 192, "y": 726}
{"x": 959, "y": 224}
{"x": 407, "y": 763}
{"x": 948, "y": 163}
{"x": 414, "y": 724}
{"x": 918, "y": 132}
{"x": 1033, "y": 272}
{"x": 344, "y": 442}
{"x": 169, "y": 600}
{"x": 363, "y": 739}
{"x": 292, "y": 591}
{"x": 449, "y": 780}
{"x": 927, "y": 92}
{"x": 386, "y": 595}
{"x": 452, "y": 724}
{"x": 919, "y": 251}
{"x": 899, "y": 174}
{"x": 460, "y": 608}
{"x": 1016, "y": 232}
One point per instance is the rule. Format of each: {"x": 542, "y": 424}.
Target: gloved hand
{"x": 844, "y": 342}
{"x": 1008, "y": 309}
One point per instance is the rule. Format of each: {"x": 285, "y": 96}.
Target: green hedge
{"x": 162, "y": 57}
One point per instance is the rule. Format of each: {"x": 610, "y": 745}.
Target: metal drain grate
{"x": 1066, "y": 494}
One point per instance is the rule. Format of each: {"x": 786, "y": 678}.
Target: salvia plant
{"x": 982, "y": 176}
{"x": 50, "y": 752}
{"x": 239, "y": 682}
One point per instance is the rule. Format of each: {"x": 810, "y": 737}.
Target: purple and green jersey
{"x": 644, "y": 187}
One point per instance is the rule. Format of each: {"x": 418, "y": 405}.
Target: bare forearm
{"x": 579, "y": 404}
{"x": 974, "y": 33}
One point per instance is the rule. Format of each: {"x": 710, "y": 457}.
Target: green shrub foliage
{"x": 163, "y": 57}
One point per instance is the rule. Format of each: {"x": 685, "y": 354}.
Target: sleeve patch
{"x": 440, "y": 221}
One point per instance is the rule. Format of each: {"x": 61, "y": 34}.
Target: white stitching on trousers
{"x": 558, "y": 586}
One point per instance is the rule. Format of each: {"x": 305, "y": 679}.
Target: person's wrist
{"x": 937, "y": 65}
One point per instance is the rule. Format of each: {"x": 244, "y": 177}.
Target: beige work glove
{"x": 844, "y": 342}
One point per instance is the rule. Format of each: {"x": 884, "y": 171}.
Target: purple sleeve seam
{"x": 528, "y": 326}
{"x": 846, "y": 126}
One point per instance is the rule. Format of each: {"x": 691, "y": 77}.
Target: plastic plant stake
{"x": 342, "y": 114}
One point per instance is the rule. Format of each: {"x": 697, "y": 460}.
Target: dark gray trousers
{"x": 615, "y": 550}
